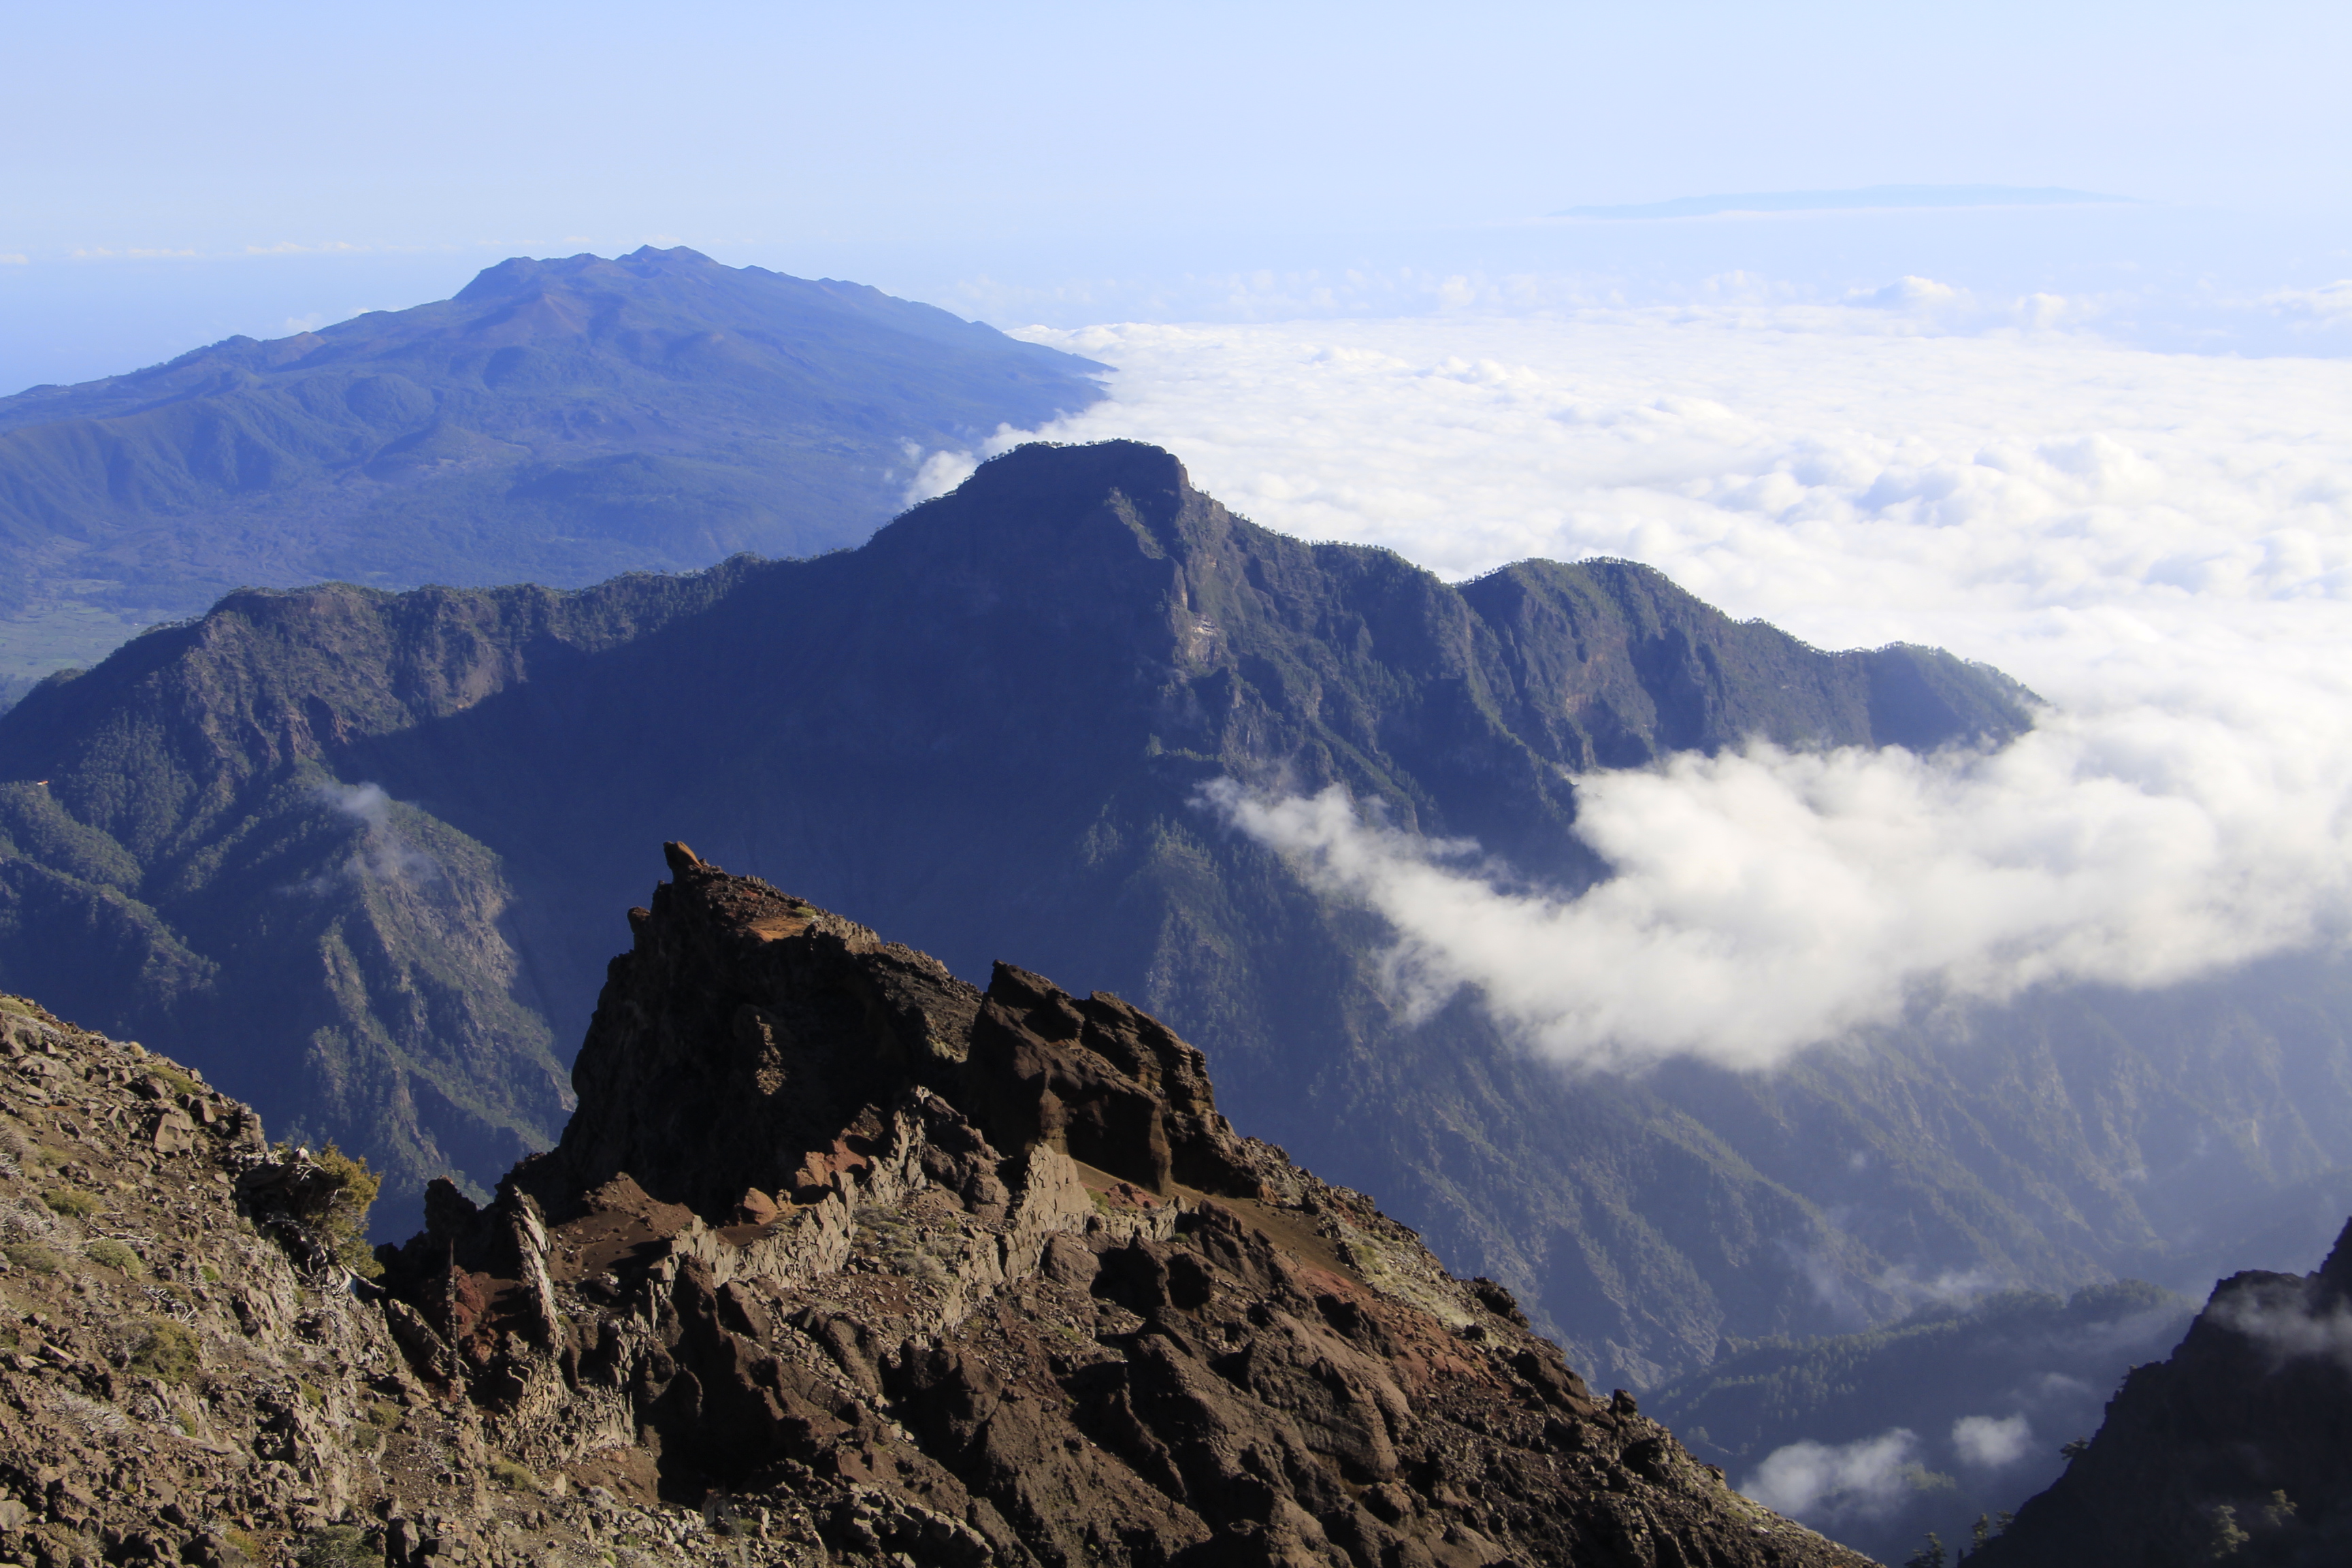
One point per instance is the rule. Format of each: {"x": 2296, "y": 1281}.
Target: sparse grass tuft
{"x": 116, "y": 1256}
{"x": 72, "y": 1202}
{"x": 178, "y": 1081}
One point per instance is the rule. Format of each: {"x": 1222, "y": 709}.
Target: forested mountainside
{"x": 840, "y": 1261}
{"x": 557, "y": 421}
{"x": 353, "y": 852}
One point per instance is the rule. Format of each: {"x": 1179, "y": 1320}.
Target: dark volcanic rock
{"x": 2237, "y": 1448}
{"x": 967, "y": 1277}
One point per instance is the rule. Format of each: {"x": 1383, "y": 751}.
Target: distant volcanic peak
{"x": 517, "y": 274}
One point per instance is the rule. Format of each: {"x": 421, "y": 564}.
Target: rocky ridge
{"x": 841, "y": 1260}
{"x": 898, "y": 1270}
{"x": 2232, "y": 1449}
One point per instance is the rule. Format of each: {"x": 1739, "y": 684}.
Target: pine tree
{"x": 2229, "y": 1536}
{"x": 1930, "y": 1555}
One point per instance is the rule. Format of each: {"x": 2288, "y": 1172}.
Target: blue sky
{"x": 177, "y": 172}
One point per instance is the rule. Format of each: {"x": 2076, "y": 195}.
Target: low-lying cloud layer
{"x": 1824, "y": 1483}
{"x": 2160, "y": 544}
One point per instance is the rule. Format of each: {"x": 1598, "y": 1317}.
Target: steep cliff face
{"x": 949, "y": 1275}
{"x": 2236, "y": 1448}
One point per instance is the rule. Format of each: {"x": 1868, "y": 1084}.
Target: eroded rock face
{"x": 953, "y": 1276}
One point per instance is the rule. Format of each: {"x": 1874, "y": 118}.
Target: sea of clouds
{"x": 2160, "y": 544}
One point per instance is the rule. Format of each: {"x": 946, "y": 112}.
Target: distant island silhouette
{"x": 1866, "y": 197}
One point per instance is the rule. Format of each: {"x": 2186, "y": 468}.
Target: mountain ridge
{"x": 991, "y": 721}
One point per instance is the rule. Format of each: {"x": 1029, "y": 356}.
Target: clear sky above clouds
{"x": 177, "y": 172}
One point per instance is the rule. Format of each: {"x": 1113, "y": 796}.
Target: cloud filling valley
{"x": 2160, "y": 544}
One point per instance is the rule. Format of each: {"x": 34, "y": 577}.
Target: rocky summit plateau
{"x": 840, "y": 1260}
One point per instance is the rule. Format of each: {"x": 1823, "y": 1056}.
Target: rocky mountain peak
{"x": 953, "y": 1276}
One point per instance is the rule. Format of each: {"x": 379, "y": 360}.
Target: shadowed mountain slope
{"x": 1968, "y": 1405}
{"x": 348, "y": 849}
{"x": 557, "y": 421}
{"x": 2234, "y": 1448}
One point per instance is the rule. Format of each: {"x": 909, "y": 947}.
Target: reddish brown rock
{"x": 1027, "y": 1298}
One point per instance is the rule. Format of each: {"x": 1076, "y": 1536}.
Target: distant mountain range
{"x": 1862, "y": 198}
{"x": 353, "y": 852}
{"x": 558, "y": 422}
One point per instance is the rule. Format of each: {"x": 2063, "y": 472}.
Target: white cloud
{"x": 12, "y": 259}
{"x": 2160, "y": 544}
{"x": 2282, "y": 1317}
{"x": 937, "y": 473}
{"x": 1820, "y": 1482}
{"x": 384, "y": 854}
{"x": 940, "y": 471}
{"x": 1990, "y": 1442}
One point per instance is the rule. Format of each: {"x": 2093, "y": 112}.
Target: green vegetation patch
{"x": 115, "y": 1255}
{"x": 337, "y": 1546}
{"x": 34, "y": 1258}
{"x": 513, "y": 1475}
{"x": 341, "y": 1217}
{"x": 170, "y": 1351}
{"x": 72, "y": 1202}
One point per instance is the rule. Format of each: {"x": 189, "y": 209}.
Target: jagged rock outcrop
{"x": 954, "y": 1276}
{"x": 2236, "y": 1448}
{"x": 841, "y": 1261}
